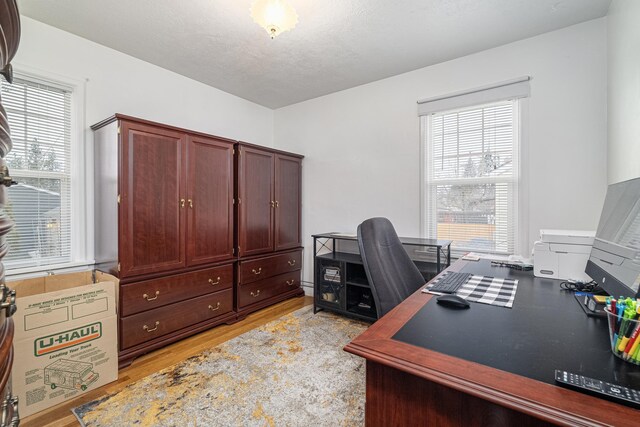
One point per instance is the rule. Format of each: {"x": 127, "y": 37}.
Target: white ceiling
{"x": 336, "y": 45}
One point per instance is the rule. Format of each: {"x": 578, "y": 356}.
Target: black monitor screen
{"x": 614, "y": 262}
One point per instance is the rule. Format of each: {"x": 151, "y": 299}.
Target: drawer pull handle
{"x": 146, "y": 328}
{"x": 256, "y": 272}
{"x": 7, "y": 300}
{"x": 256, "y": 294}
{"x": 15, "y": 420}
{"x": 291, "y": 282}
{"x": 291, "y": 262}
{"x": 216, "y": 308}
{"x": 145, "y": 296}
{"x": 212, "y": 283}
{"x": 10, "y": 401}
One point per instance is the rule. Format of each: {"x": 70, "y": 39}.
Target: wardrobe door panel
{"x": 256, "y": 204}
{"x": 209, "y": 200}
{"x": 152, "y": 222}
{"x": 287, "y": 195}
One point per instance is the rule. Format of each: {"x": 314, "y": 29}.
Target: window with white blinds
{"x": 472, "y": 177}
{"x": 40, "y": 161}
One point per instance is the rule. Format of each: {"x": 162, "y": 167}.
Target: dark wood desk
{"x": 417, "y": 385}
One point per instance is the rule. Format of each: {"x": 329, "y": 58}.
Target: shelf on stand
{"x": 342, "y": 256}
{"x": 361, "y": 285}
{"x": 366, "y": 314}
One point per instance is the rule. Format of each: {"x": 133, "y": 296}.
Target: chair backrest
{"x": 391, "y": 273}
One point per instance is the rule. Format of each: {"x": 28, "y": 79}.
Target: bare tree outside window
{"x": 471, "y": 178}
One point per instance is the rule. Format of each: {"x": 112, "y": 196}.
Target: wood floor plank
{"x": 61, "y": 416}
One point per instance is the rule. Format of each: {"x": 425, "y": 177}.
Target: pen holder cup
{"x": 621, "y": 337}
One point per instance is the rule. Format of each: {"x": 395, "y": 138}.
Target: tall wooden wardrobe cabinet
{"x": 269, "y": 237}
{"x": 165, "y": 212}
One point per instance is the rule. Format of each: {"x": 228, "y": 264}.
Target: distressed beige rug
{"x": 290, "y": 372}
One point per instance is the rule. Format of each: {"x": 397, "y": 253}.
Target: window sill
{"x": 31, "y": 272}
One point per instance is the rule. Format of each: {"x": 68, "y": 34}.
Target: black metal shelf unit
{"x": 340, "y": 280}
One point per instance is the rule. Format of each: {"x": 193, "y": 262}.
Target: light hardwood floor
{"x": 61, "y": 416}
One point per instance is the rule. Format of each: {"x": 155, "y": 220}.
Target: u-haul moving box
{"x": 65, "y": 339}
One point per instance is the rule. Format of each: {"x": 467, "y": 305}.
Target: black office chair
{"x": 391, "y": 273}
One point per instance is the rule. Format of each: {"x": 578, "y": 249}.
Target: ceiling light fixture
{"x": 275, "y": 16}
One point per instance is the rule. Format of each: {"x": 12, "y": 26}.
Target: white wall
{"x": 113, "y": 82}
{"x": 624, "y": 90}
{"x": 119, "y": 83}
{"x": 362, "y": 145}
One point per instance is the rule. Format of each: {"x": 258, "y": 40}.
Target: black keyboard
{"x": 450, "y": 283}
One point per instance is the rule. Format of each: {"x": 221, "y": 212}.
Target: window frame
{"x": 81, "y": 234}
{"x": 521, "y": 229}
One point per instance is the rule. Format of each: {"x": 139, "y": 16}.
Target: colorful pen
{"x": 630, "y": 343}
{"x": 624, "y": 334}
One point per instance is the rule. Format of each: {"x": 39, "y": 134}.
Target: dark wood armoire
{"x": 269, "y": 236}
{"x": 199, "y": 229}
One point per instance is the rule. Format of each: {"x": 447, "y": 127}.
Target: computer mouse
{"x": 453, "y": 301}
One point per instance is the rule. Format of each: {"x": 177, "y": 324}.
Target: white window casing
{"x": 47, "y": 160}
{"x": 471, "y": 175}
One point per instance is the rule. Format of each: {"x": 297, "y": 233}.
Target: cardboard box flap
{"x": 89, "y": 302}
{"x": 60, "y": 282}
{"x": 29, "y": 287}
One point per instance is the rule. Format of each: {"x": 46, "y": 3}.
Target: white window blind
{"x": 472, "y": 176}
{"x": 40, "y": 204}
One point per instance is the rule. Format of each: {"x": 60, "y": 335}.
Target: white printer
{"x": 562, "y": 254}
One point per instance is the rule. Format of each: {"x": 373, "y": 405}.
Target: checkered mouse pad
{"x": 488, "y": 290}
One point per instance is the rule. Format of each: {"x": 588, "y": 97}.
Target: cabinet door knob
{"x": 145, "y": 296}
{"x": 212, "y": 283}
{"x": 190, "y": 203}
{"x": 277, "y": 204}
{"x": 256, "y": 272}
{"x": 148, "y": 329}
{"x": 272, "y": 204}
{"x": 291, "y": 282}
{"x": 216, "y": 307}
{"x": 182, "y": 203}
{"x": 256, "y": 294}
{"x": 291, "y": 262}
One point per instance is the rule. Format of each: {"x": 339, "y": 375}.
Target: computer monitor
{"x": 614, "y": 263}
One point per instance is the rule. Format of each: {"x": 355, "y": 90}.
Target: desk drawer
{"x": 152, "y": 324}
{"x": 263, "y": 268}
{"x": 149, "y": 294}
{"x": 263, "y": 289}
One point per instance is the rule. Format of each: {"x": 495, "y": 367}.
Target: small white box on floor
{"x": 562, "y": 254}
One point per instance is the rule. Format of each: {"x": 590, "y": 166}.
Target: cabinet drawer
{"x": 263, "y": 289}
{"x": 150, "y": 294}
{"x": 262, "y": 268}
{"x": 152, "y": 324}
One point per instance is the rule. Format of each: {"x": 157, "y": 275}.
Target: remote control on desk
{"x": 613, "y": 392}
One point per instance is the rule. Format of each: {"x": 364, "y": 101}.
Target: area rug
{"x": 290, "y": 372}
